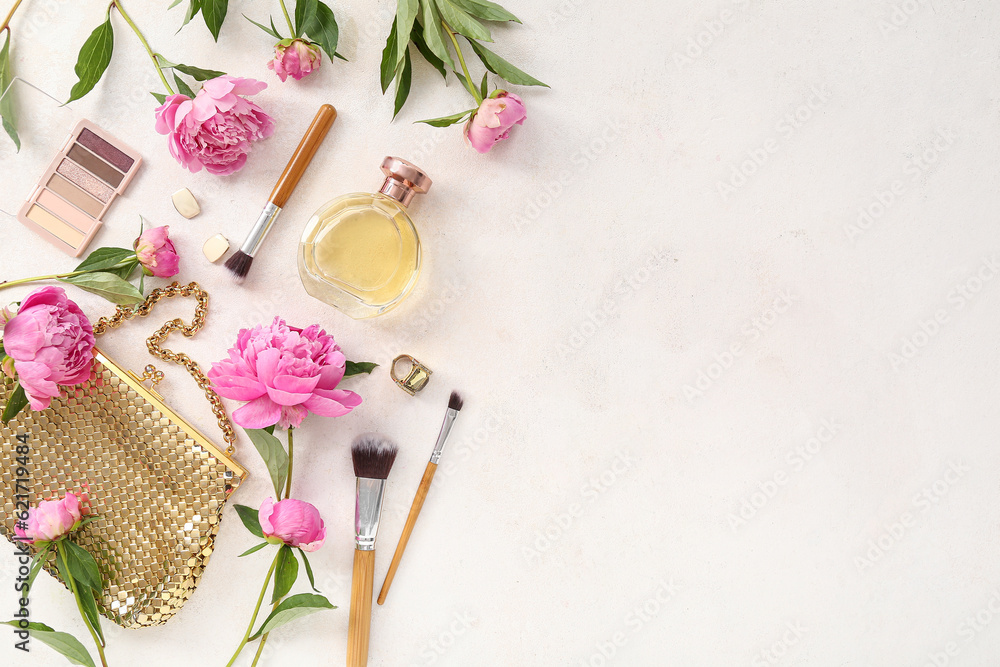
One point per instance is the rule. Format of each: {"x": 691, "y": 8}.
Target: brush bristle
{"x": 455, "y": 402}
{"x": 239, "y": 264}
{"x": 373, "y": 456}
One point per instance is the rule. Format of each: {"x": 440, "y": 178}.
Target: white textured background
{"x": 621, "y": 490}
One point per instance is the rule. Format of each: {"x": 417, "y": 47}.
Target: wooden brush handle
{"x": 411, "y": 521}
{"x": 359, "y": 628}
{"x": 303, "y": 155}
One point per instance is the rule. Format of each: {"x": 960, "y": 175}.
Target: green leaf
{"x": 17, "y": 401}
{"x": 488, "y": 11}
{"x": 85, "y": 593}
{"x": 197, "y": 73}
{"x": 285, "y": 574}
{"x": 309, "y": 570}
{"x": 192, "y": 11}
{"x": 417, "y": 37}
{"x": 445, "y": 121}
{"x": 274, "y": 455}
{"x": 271, "y": 31}
{"x": 214, "y": 13}
{"x": 82, "y": 566}
{"x": 66, "y": 644}
{"x": 323, "y": 30}
{"x": 105, "y": 258}
{"x": 160, "y": 97}
{"x": 482, "y": 87}
{"x": 182, "y": 87}
{"x": 174, "y": 4}
{"x": 37, "y": 562}
{"x": 389, "y": 66}
{"x": 93, "y": 60}
{"x": 125, "y": 272}
{"x": 292, "y": 608}
{"x": 305, "y": 11}
{"x": 107, "y": 285}
{"x": 434, "y": 33}
{"x": 254, "y": 549}
{"x": 403, "y": 84}
{"x": 250, "y": 519}
{"x": 6, "y": 101}
{"x": 460, "y": 21}
{"x": 359, "y": 367}
{"x": 270, "y": 429}
{"x": 406, "y": 14}
{"x": 504, "y": 69}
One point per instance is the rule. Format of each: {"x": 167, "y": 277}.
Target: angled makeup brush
{"x": 241, "y": 261}
{"x": 454, "y": 406}
{"x": 373, "y": 458}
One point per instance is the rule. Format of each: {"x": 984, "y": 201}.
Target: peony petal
{"x": 333, "y": 403}
{"x": 258, "y": 413}
{"x": 264, "y": 516}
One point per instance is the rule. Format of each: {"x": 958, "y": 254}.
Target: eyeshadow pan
{"x": 62, "y": 209}
{"x": 55, "y": 226}
{"x": 105, "y": 150}
{"x": 74, "y": 195}
{"x": 85, "y": 180}
{"x": 95, "y": 165}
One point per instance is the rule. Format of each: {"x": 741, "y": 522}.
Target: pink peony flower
{"x": 216, "y": 129}
{"x": 285, "y": 373}
{"x": 295, "y": 58}
{"x": 494, "y": 118}
{"x": 52, "y": 344}
{"x": 292, "y": 522}
{"x": 156, "y": 253}
{"x": 51, "y": 519}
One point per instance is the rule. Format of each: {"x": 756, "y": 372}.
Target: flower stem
{"x": 291, "y": 458}
{"x": 79, "y": 605}
{"x": 57, "y": 276}
{"x": 10, "y": 15}
{"x": 461, "y": 59}
{"x": 253, "y": 619}
{"x": 288, "y": 19}
{"x": 117, "y": 4}
{"x": 263, "y": 640}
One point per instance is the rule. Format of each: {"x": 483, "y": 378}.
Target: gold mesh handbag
{"x": 158, "y": 485}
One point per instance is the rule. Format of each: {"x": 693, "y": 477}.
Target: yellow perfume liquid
{"x": 360, "y": 252}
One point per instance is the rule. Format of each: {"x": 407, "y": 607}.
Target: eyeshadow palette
{"x": 74, "y": 193}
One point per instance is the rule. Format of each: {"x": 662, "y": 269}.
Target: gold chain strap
{"x": 154, "y": 343}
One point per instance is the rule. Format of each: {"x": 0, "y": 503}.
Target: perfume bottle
{"x": 360, "y": 252}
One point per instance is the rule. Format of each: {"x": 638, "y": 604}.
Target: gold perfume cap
{"x": 403, "y": 180}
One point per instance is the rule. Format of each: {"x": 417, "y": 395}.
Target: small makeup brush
{"x": 454, "y": 406}
{"x": 242, "y": 260}
{"x": 373, "y": 458}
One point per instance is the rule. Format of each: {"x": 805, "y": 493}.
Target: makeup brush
{"x": 454, "y": 406}
{"x": 241, "y": 261}
{"x": 373, "y": 458}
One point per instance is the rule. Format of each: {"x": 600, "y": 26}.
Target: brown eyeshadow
{"x": 95, "y": 165}
{"x": 85, "y": 180}
{"x": 74, "y": 195}
{"x": 105, "y": 150}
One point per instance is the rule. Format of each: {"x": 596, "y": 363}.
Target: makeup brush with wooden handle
{"x": 373, "y": 458}
{"x": 242, "y": 260}
{"x": 454, "y": 406}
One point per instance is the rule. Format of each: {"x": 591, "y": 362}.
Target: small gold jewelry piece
{"x": 152, "y": 375}
{"x": 416, "y": 379}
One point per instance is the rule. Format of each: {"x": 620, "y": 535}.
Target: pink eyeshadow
{"x": 111, "y": 154}
{"x": 85, "y": 180}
